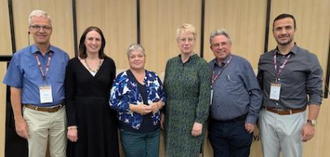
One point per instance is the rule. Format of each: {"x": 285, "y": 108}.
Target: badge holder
{"x": 45, "y": 93}
{"x": 275, "y": 90}
{"x": 211, "y": 96}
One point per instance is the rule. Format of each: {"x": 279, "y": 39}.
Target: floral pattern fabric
{"x": 125, "y": 92}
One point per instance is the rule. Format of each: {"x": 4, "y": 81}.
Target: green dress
{"x": 187, "y": 86}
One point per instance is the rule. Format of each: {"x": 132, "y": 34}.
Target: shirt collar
{"x": 224, "y": 62}
{"x": 293, "y": 50}
{"x": 190, "y": 57}
{"x": 35, "y": 49}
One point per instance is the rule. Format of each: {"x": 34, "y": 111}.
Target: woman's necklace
{"x": 90, "y": 69}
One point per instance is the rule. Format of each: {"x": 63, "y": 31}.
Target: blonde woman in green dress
{"x": 187, "y": 86}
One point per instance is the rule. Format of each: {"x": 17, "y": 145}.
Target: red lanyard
{"x": 215, "y": 77}
{"x": 279, "y": 71}
{"x": 43, "y": 74}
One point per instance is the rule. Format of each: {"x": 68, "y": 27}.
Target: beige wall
{"x": 313, "y": 23}
{"x": 5, "y": 40}
{"x": 245, "y": 21}
{"x": 159, "y": 21}
{"x": 5, "y": 49}
{"x": 3, "y": 66}
{"x": 60, "y": 13}
{"x": 116, "y": 18}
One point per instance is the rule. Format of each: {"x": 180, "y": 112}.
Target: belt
{"x": 45, "y": 109}
{"x": 285, "y": 112}
{"x": 237, "y": 119}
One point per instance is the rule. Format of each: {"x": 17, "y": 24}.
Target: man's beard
{"x": 285, "y": 43}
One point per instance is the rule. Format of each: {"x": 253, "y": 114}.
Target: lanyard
{"x": 279, "y": 71}
{"x": 216, "y": 76}
{"x": 43, "y": 74}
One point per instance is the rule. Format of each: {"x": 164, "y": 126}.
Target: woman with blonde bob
{"x": 187, "y": 86}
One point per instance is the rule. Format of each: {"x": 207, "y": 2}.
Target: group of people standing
{"x": 78, "y": 105}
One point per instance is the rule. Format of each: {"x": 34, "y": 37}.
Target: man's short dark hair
{"x": 282, "y": 16}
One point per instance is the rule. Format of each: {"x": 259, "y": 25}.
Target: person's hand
{"x": 249, "y": 127}
{"x": 307, "y": 132}
{"x": 22, "y": 128}
{"x": 72, "y": 134}
{"x": 141, "y": 109}
{"x": 162, "y": 121}
{"x": 155, "y": 107}
{"x": 197, "y": 129}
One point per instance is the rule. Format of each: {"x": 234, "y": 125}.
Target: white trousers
{"x": 281, "y": 133}
{"x": 44, "y": 128}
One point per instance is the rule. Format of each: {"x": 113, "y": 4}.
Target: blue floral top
{"x": 125, "y": 92}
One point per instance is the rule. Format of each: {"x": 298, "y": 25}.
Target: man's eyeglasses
{"x": 38, "y": 27}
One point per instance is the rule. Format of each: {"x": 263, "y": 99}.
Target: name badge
{"x": 211, "y": 100}
{"x": 45, "y": 93}
{"x": 275, "y": 89}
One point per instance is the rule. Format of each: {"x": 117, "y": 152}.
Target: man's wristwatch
{"x": 312, "y": 122}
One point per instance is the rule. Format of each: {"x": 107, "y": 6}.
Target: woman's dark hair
{"x": 82, "y": 46}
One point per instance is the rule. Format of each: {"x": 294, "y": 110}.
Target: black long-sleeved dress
{"x": 87, "y": 105}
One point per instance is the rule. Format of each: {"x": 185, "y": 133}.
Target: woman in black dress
{"x": 92, "y": 128}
